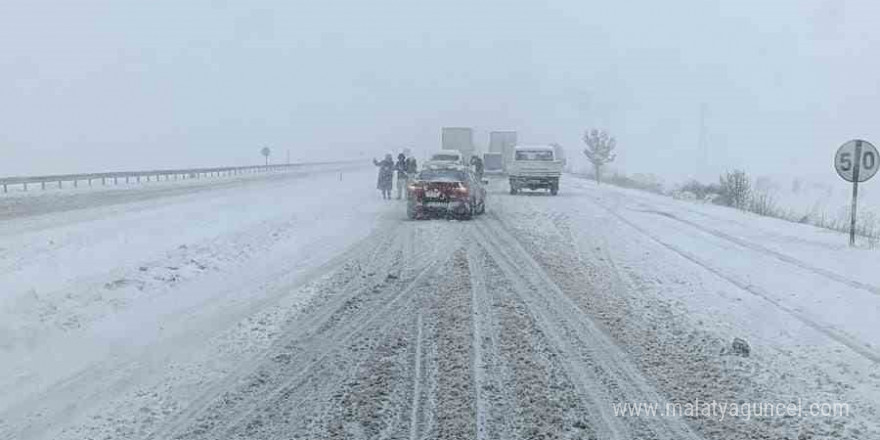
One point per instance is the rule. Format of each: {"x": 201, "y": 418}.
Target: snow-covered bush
{"x": 702, "y": 191}
{"x": 736, "y": 189}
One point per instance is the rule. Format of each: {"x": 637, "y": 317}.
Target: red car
{"x": 446, "y": 191}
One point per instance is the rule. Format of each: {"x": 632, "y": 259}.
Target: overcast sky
{"x": 107, "y": 85}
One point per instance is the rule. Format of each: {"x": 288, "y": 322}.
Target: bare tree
{"x": 600, "y": 150}
{"x": 736, "y": 189}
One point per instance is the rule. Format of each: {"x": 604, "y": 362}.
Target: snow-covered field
{"x": 303, "y": 306}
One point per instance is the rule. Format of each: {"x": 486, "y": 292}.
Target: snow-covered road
{"x": 305, "y": 307}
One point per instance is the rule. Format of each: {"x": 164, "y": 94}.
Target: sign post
{"x": 266, "y": 152}
{"x": 856, "y": 161}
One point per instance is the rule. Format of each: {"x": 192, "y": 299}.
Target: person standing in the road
{"x": 412, "y": 168}
{"x": 386, "y": 175}
{"x": 477, "y": 163}
{"x": 401, "y": 174}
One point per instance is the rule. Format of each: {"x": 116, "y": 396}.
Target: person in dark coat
{"x": 477, "y": 163}
{"x": 401, "y": 174}
{"x": 386, "y": 175}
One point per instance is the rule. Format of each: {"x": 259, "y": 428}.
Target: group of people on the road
{"x": 406, "y": 167}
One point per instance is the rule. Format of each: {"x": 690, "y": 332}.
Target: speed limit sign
{"x": 856, "y": 160}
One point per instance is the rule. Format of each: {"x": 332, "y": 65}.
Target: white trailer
{"x": 503, "y": 142}
{"x": 458, "y": 138}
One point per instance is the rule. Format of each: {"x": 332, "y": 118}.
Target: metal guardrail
{"x": 178, "y": 174}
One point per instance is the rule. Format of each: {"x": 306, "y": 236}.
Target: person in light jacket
{"x": 401, "y": 174}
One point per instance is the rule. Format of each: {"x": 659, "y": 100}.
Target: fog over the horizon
{"x": 107, "y": 85}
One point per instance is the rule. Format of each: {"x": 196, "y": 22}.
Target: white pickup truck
{"x": 535, "y": 167}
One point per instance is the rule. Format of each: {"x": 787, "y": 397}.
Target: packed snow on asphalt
{"x": 303, "y": 306}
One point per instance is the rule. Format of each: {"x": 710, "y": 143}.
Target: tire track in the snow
{"x": 453, "y": 398}
{"x": 603, "y": 372}
{"x": 589, "y": 387}
{"x": 478, "y": 291}
{"x": 492, "y": 401}
{"x": 227, "y": 415}
{"x": 359, "y": 392}
{"x": 770, "y": 252}
{"x": 536, "y": 396}
{"x": 324, "y": 352}
{"x": 376, "y": 253}
{"x": 417, "y": 382}
{"x": 833, "y": 333}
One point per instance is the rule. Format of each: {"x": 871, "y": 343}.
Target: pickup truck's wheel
{"x": 554, "y": 186}
{"x": 512, "y": 189}
{"x": 411, "y": 211}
